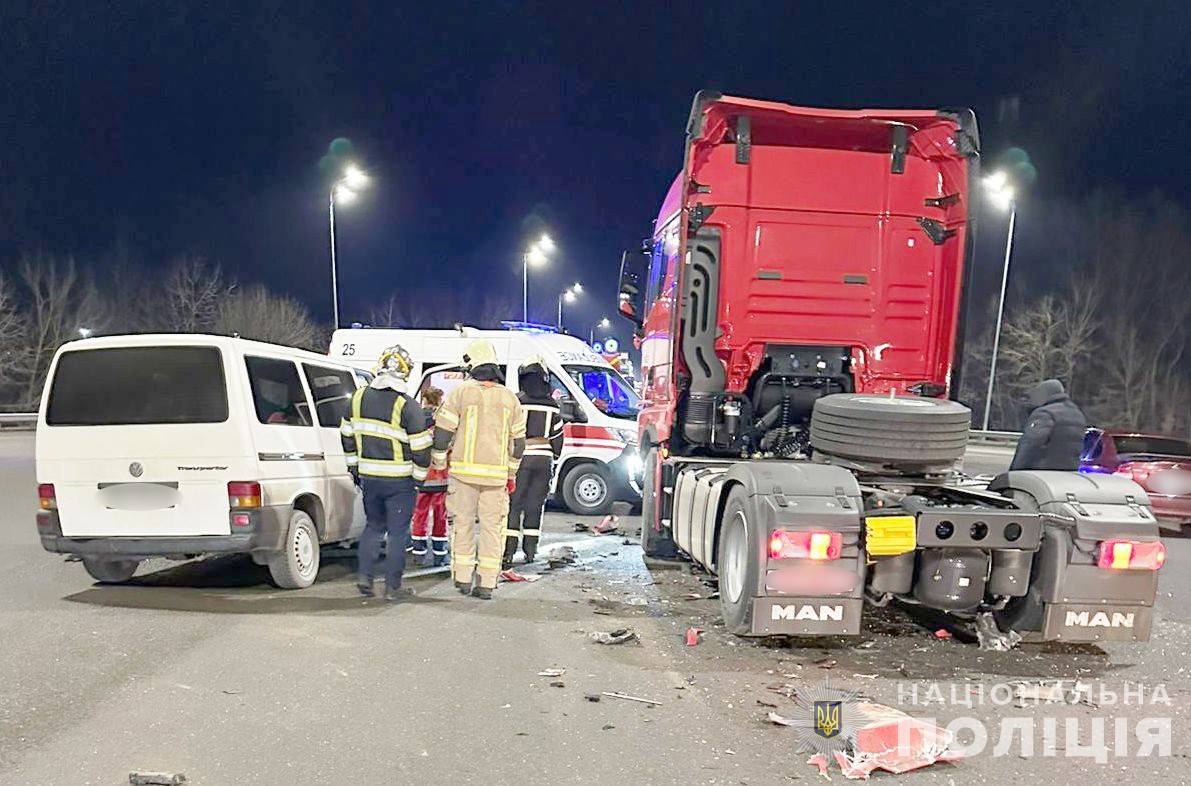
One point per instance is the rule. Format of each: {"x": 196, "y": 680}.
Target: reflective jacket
{"x": 543, "y": 426}
{"x": 387, "y": 435}
{"x": 481, "y": 426}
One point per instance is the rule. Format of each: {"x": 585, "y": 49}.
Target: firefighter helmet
{"x": 396, "y": 361}
{"x": 479, "y": 353}
{"x": 534, "y": 365}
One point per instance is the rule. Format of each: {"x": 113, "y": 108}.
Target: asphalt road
{"x": 207, "y": 670}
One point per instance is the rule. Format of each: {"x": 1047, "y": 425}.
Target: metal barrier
{"x": 18, "y": 420}
{"x": 1004, "y": 439}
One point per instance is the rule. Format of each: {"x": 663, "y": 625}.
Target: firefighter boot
{"x": 483, "y": 593}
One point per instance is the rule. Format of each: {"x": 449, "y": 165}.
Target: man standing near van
{"x": 481, "y": 427}
{"x": 543, "y": 446}
{"x": 387, "y": 443}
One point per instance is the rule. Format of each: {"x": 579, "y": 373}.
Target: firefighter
{"x": 481, "y": 429}
{"x": 1053, "y": 434}
{"x": 543, "y": 446}
{"x": 430, "y": 509}
{"x": 387, "y": 443}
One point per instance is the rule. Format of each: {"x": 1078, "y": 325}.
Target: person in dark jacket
{"x": 543, "y": 446}
{"x": 1053, "y": 434}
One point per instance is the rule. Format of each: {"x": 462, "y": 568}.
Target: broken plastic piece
{"x": 942, "y": 633}
{"x": 607, "y": 526}
{"x": 619, "y": 636}
{"x": 891, "y": 740}
{"x": 560, "y": 556}
{"x": 592, "y": 696}
{"x": 692, "y": 636}
{"x": 514, "y": 576}
{"x": 156, "y": 778}
{"x": 552, "y": 672}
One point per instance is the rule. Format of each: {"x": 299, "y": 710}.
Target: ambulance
{"x": 599, "y": 463}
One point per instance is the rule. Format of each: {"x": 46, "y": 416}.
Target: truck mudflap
{"x": 1086, "y": 622}
{"x": 806, "y": 616}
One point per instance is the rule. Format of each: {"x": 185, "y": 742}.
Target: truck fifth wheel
{"x": 798, "y": 308}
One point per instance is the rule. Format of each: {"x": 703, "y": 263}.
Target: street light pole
{"x": 525, "y": 287}
{"x": 334, "y": 270}
{"x": 992, "y": 372}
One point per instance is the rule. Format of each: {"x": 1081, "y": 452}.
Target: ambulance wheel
{"x": 657, "y": 543}
{"x": 587, "y": 490}
{"x": 296, "y": 565}
{"x": 737, "y": 563}
{"x": 110, "y": 571}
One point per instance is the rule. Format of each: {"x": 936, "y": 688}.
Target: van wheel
{"x": 110, "y": 571}
{"x": 737, "y": 563}
{"x": 296, "y": 566}
{"x": 587, "y": 490}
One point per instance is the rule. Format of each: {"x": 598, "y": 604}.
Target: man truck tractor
{"x": 799, "y": 310}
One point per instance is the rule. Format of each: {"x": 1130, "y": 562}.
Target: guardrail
{"x": 18, "y": 420}
{"x": 1005, "y": 439}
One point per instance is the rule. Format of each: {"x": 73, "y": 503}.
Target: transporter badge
{"x": 827, "y": 719}
{"x": 135, "y": 469}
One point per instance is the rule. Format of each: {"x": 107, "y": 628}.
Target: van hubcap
{"x": 591, "y": 490}
{"x": 304, "y": 551}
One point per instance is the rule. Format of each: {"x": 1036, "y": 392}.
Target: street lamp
{"x": 1001, "y": 194}
{"x": 568, "y": 296}
{"x": 345, "y": 190}
{"x": 536, "y": 254}
{"x": 603, "y": 324}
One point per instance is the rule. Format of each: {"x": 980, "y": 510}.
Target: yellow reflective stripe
{"x": 420, "y": 472}
{"x": 469, "y": 434}
{"x": 466, "y": 562}
{"x": 489, "y": 562}
{"x": 357, "y": 402}
{"x": 386, "y": 469}
{"x": 505, "y": 447}
{"x": 421, "y": 440}
{"x": 448, "y": 417}
{"x": 519, "y": 426}
{"x": 478, "y": 470}
{"x": 345, "y": 428}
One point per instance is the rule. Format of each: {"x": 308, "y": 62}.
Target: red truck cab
{"x": 826, "y": 252}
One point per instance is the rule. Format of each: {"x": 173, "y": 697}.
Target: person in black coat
{"x": 1053, "y": 434}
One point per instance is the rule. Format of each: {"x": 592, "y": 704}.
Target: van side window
{"x": 332, "y": 389}
{"x": 277, "y": 392}
{"x": 445, "y": 379}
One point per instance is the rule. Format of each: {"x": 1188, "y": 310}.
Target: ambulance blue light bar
{"x": 528, "y": 327}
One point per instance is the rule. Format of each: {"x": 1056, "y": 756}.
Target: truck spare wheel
{"x": 903, "y": 431}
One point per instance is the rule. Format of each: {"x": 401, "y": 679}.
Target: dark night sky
{"x": 167, "y": 127}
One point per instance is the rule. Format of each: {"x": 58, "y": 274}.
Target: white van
{"x": 182, "y": 445}
{"x": 599, "y": 463}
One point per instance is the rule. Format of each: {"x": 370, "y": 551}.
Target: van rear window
{"x": 125, "y": 386}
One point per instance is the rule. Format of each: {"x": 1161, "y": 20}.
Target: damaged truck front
{"x": 799, "y": 310}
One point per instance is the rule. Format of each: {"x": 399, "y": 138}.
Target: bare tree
{"x": 61, "y": 302}
{"x": 192, "y": 296}
{"x": 254, "y": 312}
{"x": 11, "y": 333}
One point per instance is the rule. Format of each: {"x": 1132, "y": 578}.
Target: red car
{"x": 1161, "y": 465}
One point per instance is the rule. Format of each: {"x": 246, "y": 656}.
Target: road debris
{"x": 692, "y": 636}
{"x": 552, "y": 672}
{"x": 560, "y": 556}
{"x": 607, "y": 727}
{"x": 609, "y": 525}
{"x": 1032, "y": 693}
{"x": 781, "y": 721}
{"x": 627, "y": 697}
{"x": 514, "y": 576}
{"x": 156, "y": 778}
{"x": 557, "y": 684}
{"x": 592, "y": 696}
{"x": 579, "y": 526}
{"x": 990, "y": 636}
{"x": 619, "y": 636}
{"x": 943, "y": 633}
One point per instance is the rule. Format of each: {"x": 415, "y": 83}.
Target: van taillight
{"x": 244, "y": 494}
{"x": 46, "y": 499}
{"x": 1131, "y": 555}
{"x": 784, "y": 544}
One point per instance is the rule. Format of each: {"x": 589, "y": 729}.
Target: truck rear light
{"x": 46, "y": 498}
{"x": 784, "y": 544}
{"x": 1131, "y": 555}
{"x": 244, "y": 494}
{"x": 241, "y": 520}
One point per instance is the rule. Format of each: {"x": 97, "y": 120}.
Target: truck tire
{"x": 656, "y": 543}
{"x": 737, "y": 562}
{"x": 902, "y": 431}
{"x": 110, "y": 571}
{"x": 296, "y": 565}
{"x": 587, "y": 489}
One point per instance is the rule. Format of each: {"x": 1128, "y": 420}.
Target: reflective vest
{"x": 477, "y": 426}
{"x": 384, "y": 438}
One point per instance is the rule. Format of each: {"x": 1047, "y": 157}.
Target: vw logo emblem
{"x": 135, "y": 469}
